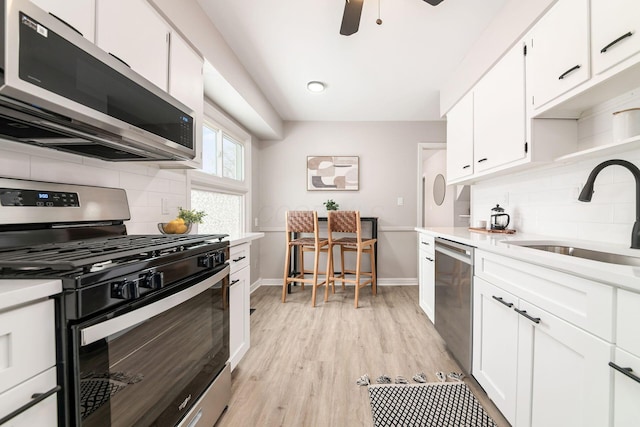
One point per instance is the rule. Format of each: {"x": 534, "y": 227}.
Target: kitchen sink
{"x": 571, "y": 250}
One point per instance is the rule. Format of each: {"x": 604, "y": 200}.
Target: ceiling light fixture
{"x": 315, "y": 86}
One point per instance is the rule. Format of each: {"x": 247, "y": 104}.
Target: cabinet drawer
{"x": 584, "y": 303}
{"x": 27, "y": 343}
{"x": 628, "y": 321}
{"x": 626, "y": 391}
{"x": 426, "y": 243}
{"x": 43, "y": 414}
{"x": 239, "y": 257}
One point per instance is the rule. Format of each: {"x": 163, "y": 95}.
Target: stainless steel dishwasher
{"x": 454, "y": 293}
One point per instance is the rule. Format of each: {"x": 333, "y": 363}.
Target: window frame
{"x": 203, "y": 181}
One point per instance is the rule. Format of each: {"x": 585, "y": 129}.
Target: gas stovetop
{"x": 91, "y": 253}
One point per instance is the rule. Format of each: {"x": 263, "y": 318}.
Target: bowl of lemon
{"x": 176, "y": 226}
{"x": 182, "y": 224}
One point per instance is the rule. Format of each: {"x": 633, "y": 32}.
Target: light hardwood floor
{"x": 303, "y": 363}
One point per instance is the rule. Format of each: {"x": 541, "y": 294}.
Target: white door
{"x": 132, "y": 31}
{"x": 626, "y": 389}
{"x": 460, "y": 139}
{"x": 614, "y": 32}
{"x": 427, "y": 289}
{"x": 499, "y": 115}
{"x": 558, "y": 52}
{"x": 80, "y": 14}
{"x": 563, "y": 373}
{"x": 495, "y": 344}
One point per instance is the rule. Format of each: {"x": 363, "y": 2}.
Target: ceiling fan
{"x": 353, "y": 11}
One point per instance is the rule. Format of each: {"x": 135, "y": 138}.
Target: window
{"x": 222, "y": 155}
{"x": 224, "y": 211}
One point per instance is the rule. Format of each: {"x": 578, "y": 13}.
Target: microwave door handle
{"x": 109, "y": 327}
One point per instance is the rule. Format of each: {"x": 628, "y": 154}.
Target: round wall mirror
{"x": 439, "y": 189}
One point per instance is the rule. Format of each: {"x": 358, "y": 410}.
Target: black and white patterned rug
{"x": 426, "y": 405}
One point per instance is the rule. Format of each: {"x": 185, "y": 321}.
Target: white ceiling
{"x": 391, "y": 72}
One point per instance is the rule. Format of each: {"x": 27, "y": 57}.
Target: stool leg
{"x": 358, "y": 264}
{"x": 342, "y": 267}
{"x": 329, "y": 274}
{"x": 316, "y": 254}
{"x": 287, "y": 261}
{"x": 374, "y": 278}
{"x": 301, "y": 256}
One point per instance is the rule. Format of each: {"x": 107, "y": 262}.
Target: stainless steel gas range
{"x": 143, "y": 320}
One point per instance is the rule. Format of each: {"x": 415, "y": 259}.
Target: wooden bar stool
{"x": 298, "y": 223}
{"x": 349, "y": 222}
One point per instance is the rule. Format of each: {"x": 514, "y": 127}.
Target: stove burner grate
{"x": 75, "y": 254}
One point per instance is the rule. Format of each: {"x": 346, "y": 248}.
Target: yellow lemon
{"x": 181, "y": 229}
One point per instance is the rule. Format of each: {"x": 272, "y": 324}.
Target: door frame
{"x": 422, "y": 147}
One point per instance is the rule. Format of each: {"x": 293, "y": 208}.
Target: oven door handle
{"x": 109, "y": 327}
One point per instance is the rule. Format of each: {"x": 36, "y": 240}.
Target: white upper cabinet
{"x": 558, "y": 57}
{"x": 186, "y": 84}
{"x": 460, "y": 139}
{"x": 135, "y": 33}
{"x": 80, "y": 14}
{"x": 614, "y": 32}
{"x": 499, "y": 115}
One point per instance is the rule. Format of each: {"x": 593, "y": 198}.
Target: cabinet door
{"x": 80, "y": 14}
{"x": 495, "y": 344}
{"x": 136, "y": 34}
{"x": 499, "y": 113}
{"x": 239, "y": 316}
{"x": 186, "y": 84}
{"x": 460, "y": 139}
{"x": 427, "y": 282}
{"x": 614, "y": 32}
{"x": 563, "y": 373}
{"x": 626, "y": 411}
{"x": 558, "y": 54}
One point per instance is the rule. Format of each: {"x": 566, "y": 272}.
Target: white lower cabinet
{"x": 239, "y": 303}
{"x": 539, "y": 368}
{"x": 427, "y": 275}
{"x": 495, "y": 345}
{"x": 625, "y": 365}
{"x": 27, "y": 365}
{"x": 563, "y": 378}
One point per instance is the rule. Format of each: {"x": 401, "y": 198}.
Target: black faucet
{"x": 587, "y": 192}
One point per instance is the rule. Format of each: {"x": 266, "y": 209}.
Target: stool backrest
{"x": 299, "y": 222}
{"x": 344, "y": 222}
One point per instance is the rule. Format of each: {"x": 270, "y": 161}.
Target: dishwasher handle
{"x": 455, "y": 250}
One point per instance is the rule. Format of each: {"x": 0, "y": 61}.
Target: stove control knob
{"x": 206, "y": 261}
{"x": 153, "y": 280}
{"x": 219, "y": 257}
{"x": 125, "y": 289}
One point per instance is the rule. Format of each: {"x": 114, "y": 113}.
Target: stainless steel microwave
{"x": 59, "y": 90}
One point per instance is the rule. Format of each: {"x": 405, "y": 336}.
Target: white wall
{"x": 146, "y": 185}
{"x": 388, "y": 170}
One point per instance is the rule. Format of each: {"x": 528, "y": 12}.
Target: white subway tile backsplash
{"x": 546, "y": 202}
{"x": 144, "y": 183}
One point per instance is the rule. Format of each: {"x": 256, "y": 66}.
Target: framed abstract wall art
{"x": 333, "y": 173}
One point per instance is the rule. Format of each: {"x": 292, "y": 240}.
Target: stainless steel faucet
{"x": 587, "y": 192}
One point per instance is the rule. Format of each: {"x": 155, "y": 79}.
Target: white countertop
{"x": 243, "y": 238}
{"x": 18, "y": 292}
{"x": 622, "y": 276}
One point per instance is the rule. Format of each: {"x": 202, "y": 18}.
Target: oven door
{"x": 150, "y": 364}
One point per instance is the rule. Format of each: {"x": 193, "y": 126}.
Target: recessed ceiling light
{"x": 315, "y": 86}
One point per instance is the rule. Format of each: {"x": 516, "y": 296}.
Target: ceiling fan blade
{"x": 351, "y": 17}
{"x": 434, "y": 2}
